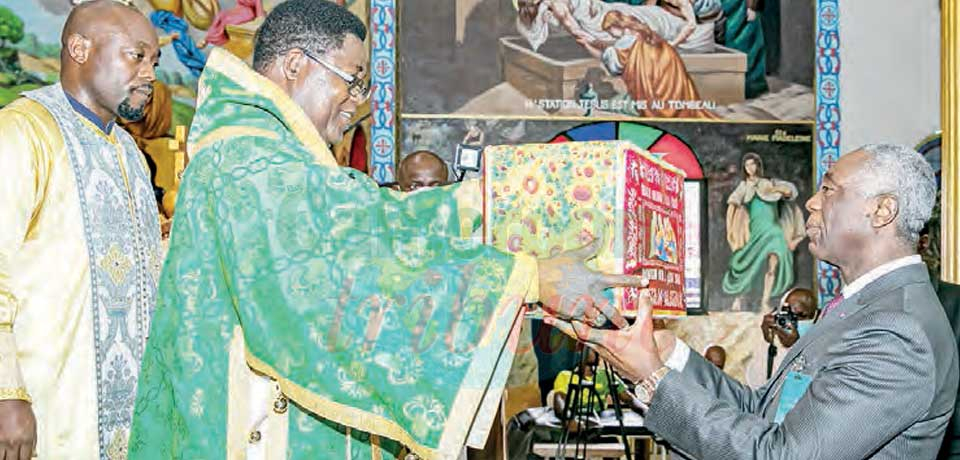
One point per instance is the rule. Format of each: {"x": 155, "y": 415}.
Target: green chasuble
{"x": 383, "y": 328}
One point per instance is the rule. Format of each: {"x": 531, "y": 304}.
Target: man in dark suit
{"x": 950, "y": 297}
{"x": 876, "y": 377}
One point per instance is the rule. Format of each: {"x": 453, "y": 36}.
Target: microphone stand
{"x": 578, "y": 407}
{"x": 357, "y": 122}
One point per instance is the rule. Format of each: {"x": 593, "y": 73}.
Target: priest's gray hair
{"x": 902, "y": 172}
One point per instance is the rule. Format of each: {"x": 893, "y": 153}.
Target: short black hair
{"x": 318, "y": 26}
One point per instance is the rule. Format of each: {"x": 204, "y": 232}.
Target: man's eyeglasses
{"x": 357, "y": 87}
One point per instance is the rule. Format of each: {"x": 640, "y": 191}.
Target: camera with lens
{"x": 784, "y": 317}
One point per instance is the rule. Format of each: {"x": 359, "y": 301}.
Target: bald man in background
{"x": 79, "y": 244}
{"x": 716, "y": 355}
{"x": 421, "y": 169}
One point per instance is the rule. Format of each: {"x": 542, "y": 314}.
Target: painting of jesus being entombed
{"x": 689, "y": 59}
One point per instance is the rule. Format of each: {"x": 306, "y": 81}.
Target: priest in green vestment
{"x": 303, "y": 311}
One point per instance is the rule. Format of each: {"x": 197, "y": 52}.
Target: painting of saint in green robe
{"x": 764, "y": 227}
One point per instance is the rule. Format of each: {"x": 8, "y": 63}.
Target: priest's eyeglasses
{"x": 357, "y": 87}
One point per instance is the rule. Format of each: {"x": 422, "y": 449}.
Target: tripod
{"x": 771, "y": 355}
{"x": 581, "y": 399}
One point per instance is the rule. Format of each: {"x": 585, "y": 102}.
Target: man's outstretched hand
{"x": 570, "y": 290}
{"x": 635, "y": 351}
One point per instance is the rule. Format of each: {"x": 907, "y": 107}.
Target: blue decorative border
{"x": 383, "y": 27}
{"x": 828, "y": 117}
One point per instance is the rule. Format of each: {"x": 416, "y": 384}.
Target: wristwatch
{"x": 648, "y": 386}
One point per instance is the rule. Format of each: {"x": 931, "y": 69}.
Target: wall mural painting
{"x": 746, "y": 184}
{"x": 763, "y": 227}
{"x": 30, "y": 47}
{"x": 551, "y": 70}
{"x": 701, "y": 59}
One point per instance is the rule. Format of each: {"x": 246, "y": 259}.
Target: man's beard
{"x": 129, "y": 112}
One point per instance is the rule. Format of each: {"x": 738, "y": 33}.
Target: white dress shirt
{"x": 858, "y": 284}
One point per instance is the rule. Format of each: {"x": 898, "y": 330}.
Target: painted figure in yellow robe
{"x": 651, "y": 69}
{"x": 79, "y": 244}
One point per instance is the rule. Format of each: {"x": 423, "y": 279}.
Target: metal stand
{"x": 578, "y": 407}
{"x": 771, "y": 355}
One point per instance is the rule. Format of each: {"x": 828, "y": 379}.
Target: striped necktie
{"x": 831, "y": 304}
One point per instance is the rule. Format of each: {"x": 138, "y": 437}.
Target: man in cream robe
{"x": 79, "y": 245}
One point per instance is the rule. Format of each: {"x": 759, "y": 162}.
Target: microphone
{"x": 354, "y": 124}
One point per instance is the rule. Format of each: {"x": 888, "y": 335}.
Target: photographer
{"x": 797, "y": 313}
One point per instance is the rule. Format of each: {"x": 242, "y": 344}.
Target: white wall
{"x": 890, "y": 71}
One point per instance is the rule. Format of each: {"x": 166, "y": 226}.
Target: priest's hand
{"x": 635, "y": 351}
{"x": 570, "y": 290}
{"x": 18, "y": 430}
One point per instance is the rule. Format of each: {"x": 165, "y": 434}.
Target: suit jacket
{"x": 950, "y": 298}
{"x": 884, "y": 375}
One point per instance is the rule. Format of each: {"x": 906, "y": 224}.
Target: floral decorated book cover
{"x": 542, "y": 199}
